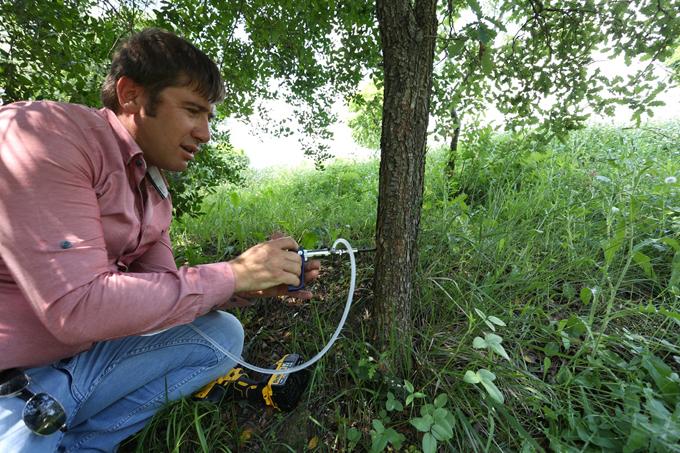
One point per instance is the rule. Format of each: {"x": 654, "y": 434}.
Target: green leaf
{"x": 551, "y": 349}
{"x": 499, "y": 25}
{"x": 494, "y": 342}
{"x": 412, "y": 396}
{"x": 393, "y": 404}
{"x": 493, "y": 391}
{"x": 492, "y": 338}
{"x": 353, "y": 435}
{"x": 442, "y": 432}
{"x": 497, "y": 321}
{"x": 486, "y": 375}
{"x": 586, "y": 295}
{"x": 439, "y": 414}
{"x": 606, "y": 439}
{"x": 441, "y": 428}
{"x": 660, "y": 415}
{"x": 566, "y": 341}
{"x": 457, "y": 46}
{"x": 394, "y": 438}
{"x": 422, "y": 424}
{"x": 379, "y": 442}
{"x": 661, "y": 374}
{"x": 471, "y": 377}
{"x": 644, "y": 262}
{"x": 670, "y": 314}
{"x": 440, "y": 401}
{"x": 638, "y": 438}
{"x": 479, "y": 343}
{"x": 546, "y": 365}
{"x": 564, "y": 376}
{"x": 490, "y": 325}
{"x": 474, "y": 5}
{"x": 484, "y": 33}
{"x": 409, "y": 386}
{"x": 429, "y": 443}
{"x": 673, "y": 243}
{"x": 309, "y": 240}
{"x": 575, "y": 326}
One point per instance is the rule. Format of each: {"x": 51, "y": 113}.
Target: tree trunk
{"x": 407, "y": 34}
{"x": 453, "y": 147}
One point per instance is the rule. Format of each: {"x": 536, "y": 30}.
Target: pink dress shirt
{"x": 85, "y": 254}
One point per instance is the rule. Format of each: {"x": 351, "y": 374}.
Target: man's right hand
{"x": 266, "y": 265}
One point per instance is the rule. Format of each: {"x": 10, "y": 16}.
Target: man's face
{"x": 170, "y": 139}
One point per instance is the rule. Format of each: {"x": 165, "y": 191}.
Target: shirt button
{"x": 65, "y": 245}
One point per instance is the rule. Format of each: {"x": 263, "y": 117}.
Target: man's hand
{"x": 268, "y": 268}
{"x": 312, "y": 269}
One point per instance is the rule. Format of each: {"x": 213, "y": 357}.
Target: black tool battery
{"x": 280, "y": 391}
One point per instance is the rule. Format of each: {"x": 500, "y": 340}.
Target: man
{"x": 86, "y": 264}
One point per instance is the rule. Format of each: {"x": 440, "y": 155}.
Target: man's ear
{"x": 130, "y": 95}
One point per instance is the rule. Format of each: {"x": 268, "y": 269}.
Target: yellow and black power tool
{"x": 280, "y": 391}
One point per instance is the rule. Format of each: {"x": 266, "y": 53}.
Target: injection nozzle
{"x": 320, "y": 253}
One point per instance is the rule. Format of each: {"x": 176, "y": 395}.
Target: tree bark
{"x": 407, "y": 34}
{"x": 453, "y": 146}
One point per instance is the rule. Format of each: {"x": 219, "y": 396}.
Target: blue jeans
{"x": 112, "y": 390}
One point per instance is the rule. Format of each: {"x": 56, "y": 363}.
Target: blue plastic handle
{"x": 300, "y": 252}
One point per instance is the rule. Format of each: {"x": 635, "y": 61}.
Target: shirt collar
{"x": 157, "y": 181}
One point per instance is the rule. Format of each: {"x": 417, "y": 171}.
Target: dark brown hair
{"x": 157, "y": 59}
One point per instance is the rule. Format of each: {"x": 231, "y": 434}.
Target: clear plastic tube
{"x": 321, "y": 353}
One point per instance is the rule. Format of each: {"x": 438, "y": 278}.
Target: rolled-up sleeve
{"x": 52, "y": 242}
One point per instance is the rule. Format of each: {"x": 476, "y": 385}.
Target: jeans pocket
{"x": 68, "y": 367}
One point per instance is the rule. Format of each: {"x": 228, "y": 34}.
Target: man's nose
{"x": 202, "y": 131}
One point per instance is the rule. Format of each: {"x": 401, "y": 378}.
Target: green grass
{"x": 574, "y": 246}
